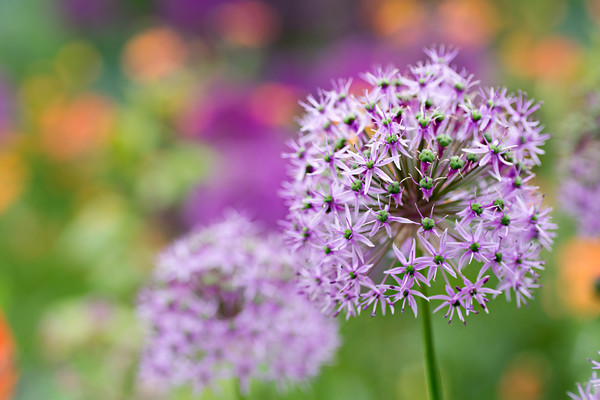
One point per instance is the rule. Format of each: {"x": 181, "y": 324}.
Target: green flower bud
{"x": 382, "y": 216}
{"x": 472, "y": 157}
{"x": 393, "y": 188}
{"x": 518, "y": 182}
{"x": 391, "y": 139}
{"x": 423, "y": 121}
{"x": 427, "y": 223}
{"x": 499, "y": 204}
{"x": 349, "y": 119}
{"x": 426, "y": 183}
{"x": 427, "y": 156}
{"x": 397, "y": 112}
{"x": 339, "y": 144}
{"x": 498, "y": 257}
{"x": 444, "y": 140}
{"x": 456, "y": 163}
{"x": 477, "y": 208}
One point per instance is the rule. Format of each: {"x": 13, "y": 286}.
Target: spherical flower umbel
{"x": 423, "y": 178}
{"x": 222, "y": 305}
{"x": 591, "y": 389}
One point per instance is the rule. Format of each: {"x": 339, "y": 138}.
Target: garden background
{"x": 123, "y": 124}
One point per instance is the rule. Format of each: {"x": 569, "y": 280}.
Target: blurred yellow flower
{"x": 78, "y": 63}
{"x": 13, "y": 173}
{"x": 154, "y": 54}
{"x": 579, "y": 276}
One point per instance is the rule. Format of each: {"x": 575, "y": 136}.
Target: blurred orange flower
{"x": 524, "y": 378}
{"x": 274, "y": 104}
{"x": 153, "y": 55}
{"x": 402, "y": 20}
{"x": 247, "y": 23}
{"x": 70, "y": 129}
{"x": 552, "y": 58}
{"x": 8, "y": 375}
{"x": 468, "y": 23}
{"x": 579, "y": 276}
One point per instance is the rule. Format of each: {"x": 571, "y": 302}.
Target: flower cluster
{"x": 580, "y": 188}
{"x": 222, "y": 304}
{"x": 591, "y": 390}
{"x": 423, "y": 178}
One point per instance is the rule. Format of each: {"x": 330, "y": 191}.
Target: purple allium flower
{"x": 430, "y": 172}
{"x": 591, "y": 389}
{"x": 222, "y": 305}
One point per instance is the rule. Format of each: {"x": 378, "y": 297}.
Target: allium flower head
{"x": 591, "y": 389}
{"x": 580, "y": 188}
{"x": 222, "y": 305}
{"x": 424, "y": 177}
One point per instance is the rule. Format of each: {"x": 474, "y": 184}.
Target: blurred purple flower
{"x": 351, "y": 55}
{"x": 580, "y": 190}
{"x": 187, "y": 15}
{"x": 249, "y": 170}
{"x": 87, "y": 14}
{"x": 246, "y": 177}
{"x": 222, "y": 305}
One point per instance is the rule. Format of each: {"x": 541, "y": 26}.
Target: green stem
{"x": 238, "y": 391}
{"x": 433, "y": 376}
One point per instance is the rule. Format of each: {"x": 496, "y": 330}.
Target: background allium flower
{"x": 581, "y": 186}
{"x": 222, "y": 305}
{"x": 424, "y": 177}
{"x": 591, "y": 389}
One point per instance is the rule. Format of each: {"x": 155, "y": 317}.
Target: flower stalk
{"x": 433, "y": 376}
